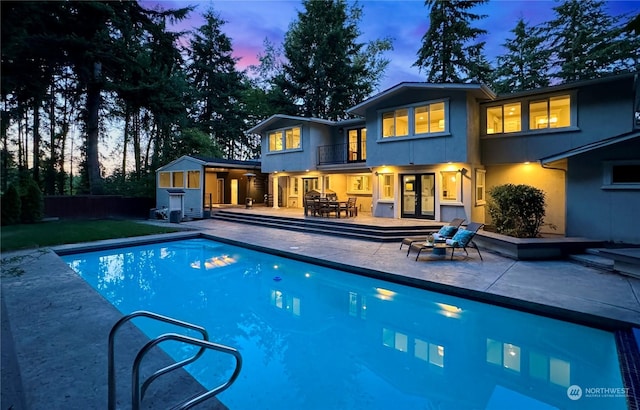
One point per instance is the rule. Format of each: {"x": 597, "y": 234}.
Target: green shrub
{"x": 11, "y": 206}
{"x": 517, "y": 210}
{"x": 32, "y": 203}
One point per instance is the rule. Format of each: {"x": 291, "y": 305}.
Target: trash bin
{"x": 249, "y": 203}
{"x": 174, "y": 217}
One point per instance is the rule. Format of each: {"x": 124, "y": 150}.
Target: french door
{"x": 418, "y": 196}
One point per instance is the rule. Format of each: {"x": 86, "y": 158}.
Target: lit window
{"x": 480, "y": 187}
{"x": 193, "y": 179}
{"x": 357, "y": 144}
{"x": 554, "y": 112}
{"x": 178, "y": 179}
{"x": 284, "y": 139}
{"x": 359, "y": 184}
{"x": 386, "y": 186}
{"x": 395, "y": 123}
{"x": 293, "y": 184}
{"x": 450, "y": 186}
{"x": 429, "y": 118}
{"x": 164, "y": 180}
{"x": 504, "y": 118}
{"x": 292, "y": 138}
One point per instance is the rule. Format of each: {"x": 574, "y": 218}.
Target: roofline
{"x": 262, "y": 125}
{"x": 590, "y": 147}
{"x": 359, "y": 108}
{"x": 180, "y": 159}
{"x": 565, "y": 86}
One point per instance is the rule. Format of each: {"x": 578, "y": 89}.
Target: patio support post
{"x": 275, "y": 191}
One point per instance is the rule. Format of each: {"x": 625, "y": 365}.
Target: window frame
{"x": 367, "y": 186}
{"x": 525, "y": 120}
{"x": 607, "y": 176}
{"x": 283, "y": 139}
{"x": 411, "y": 121}
{"x": 458, "y": 187}
{"x": 481, "y": 184}
{"x": 198, "y": 179}
{"x": 383, "y": 187}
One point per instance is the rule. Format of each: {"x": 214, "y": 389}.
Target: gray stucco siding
{"x": 449, "y": 146}
{"x": 600, "y": 111}
{"x": 296, "y": 160}
{"x": 611, "y": 214}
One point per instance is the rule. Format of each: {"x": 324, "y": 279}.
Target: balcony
{"x": 338, "y": 154}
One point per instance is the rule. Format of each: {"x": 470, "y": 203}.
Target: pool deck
{"x": 55, "y": 326}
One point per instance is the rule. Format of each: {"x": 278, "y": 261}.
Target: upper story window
{"x": 531, "y": 115}
{"x": 395, "y": 123}
{"x": 429, "y": 118}
{"x": 554, "y": 112}
{"x": 284, "y": 139}
{"x": 422, "y": 119}
{"x": 504, "y": 118}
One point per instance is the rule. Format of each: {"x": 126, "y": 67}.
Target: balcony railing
{"x": 337, "y": 154}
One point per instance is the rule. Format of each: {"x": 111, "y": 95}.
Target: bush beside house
{"x": 517, "y": 210}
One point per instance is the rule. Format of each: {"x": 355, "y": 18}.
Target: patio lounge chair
{"x": 445, "y": 232}
{"x": 463, "y": 239}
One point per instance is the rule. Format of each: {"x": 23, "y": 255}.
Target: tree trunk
{"x": 93, "y": 106}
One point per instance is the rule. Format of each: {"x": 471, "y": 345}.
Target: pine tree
{"x": 587, "y": 41}
{"x": 217, "y": 85}
{"x": 448, "y": 53}
{"x": 327, "y": 70}
{"x": 524, "y": 66}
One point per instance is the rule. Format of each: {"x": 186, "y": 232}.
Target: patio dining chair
{"x": 445, "y": 232}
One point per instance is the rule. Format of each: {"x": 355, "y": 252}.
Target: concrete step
{"x": 591, "y": 258}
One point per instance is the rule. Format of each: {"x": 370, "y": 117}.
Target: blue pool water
{"x": 317, "y": 338}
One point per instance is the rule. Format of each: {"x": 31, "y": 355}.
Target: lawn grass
{"x": 53, "y": 233}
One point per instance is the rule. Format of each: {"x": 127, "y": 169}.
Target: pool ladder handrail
{"x": 137, "y": 391}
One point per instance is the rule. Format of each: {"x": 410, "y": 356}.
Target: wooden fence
{"x": 97, "y": 206}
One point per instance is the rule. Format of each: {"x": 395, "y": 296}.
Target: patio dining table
{"x": 318, "y": 207}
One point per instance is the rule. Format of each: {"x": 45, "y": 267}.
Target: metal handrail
{"x": 111, "y": 356}
{"x": 137, "y": 394}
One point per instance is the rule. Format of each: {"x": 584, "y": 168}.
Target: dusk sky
{"x": 249, "y": 22}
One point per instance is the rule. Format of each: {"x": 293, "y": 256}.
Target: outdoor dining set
{"x": 328, "y": 205}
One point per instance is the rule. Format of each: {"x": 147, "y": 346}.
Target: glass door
{"x": 418, "y": 196}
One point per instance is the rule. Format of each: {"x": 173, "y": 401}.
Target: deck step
{"x": 328, "y": 226}
{"x": 591, "y": 258}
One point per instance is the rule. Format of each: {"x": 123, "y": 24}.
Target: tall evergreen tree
{"x": 524, "y": 66}
{"x": 327, "y": 70}
{"x": 448, "y": 51}
{"x": 587, "y": 41}
{"x": 217, "y": 85}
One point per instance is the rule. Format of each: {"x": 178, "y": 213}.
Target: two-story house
{"x": 432, "y": 151}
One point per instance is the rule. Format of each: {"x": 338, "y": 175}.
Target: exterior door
{"x": 418, "y": 196}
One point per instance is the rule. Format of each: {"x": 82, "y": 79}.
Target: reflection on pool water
{"x": 317, "y": 338}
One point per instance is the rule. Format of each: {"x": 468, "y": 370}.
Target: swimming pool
{"x": 317, "y": 338}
